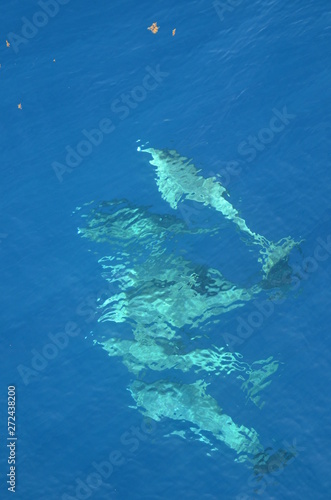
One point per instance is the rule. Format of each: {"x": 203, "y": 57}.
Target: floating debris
{"x": 154, "y": 28}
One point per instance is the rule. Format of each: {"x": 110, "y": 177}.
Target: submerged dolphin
{"x": 178, "y": 179}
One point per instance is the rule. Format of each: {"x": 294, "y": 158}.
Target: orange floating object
{"x": 7, "y": 43}
{"x": 154, "y": 28}
{"x": 174, "y": 32}
{"x": 19, "y": 106}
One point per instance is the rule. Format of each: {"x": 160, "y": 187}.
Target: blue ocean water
{"x": 228, "y": 74}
